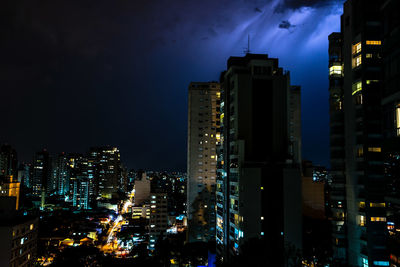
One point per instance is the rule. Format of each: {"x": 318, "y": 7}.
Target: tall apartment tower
{"x": 106, "y": 166}
{"x": 203, "y": 135}
{"x": 361, "y": 88}
{"x": 158, "y": 222}
{"x": 82, "y": 184}
{"x": 60, "y": 174}
{"x": 258, "y": 176}
{"x": 8, "y": 161}
{"x": 391, "y": 121}
{"x": 337, "y": 149}
{"x": 41, "y": 173}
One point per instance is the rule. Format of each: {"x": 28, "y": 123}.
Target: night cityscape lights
{"x": 221, "y": 155}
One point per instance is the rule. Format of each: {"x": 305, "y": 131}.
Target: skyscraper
{"x": 106, "y": 165}
{"x": 259, "y": 180}
{"x": 8, "y": 161}
{"x": 60, "y": 174}
{"x": 41, "y": 173}
{"x": 203, "y": 134}
{"x": 81, "y": 182}
{"x": 336, "y": 114}
{"x": 356, "y": 115}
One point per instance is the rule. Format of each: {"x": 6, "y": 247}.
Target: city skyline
{"x": 107, "y": 75}
{"x": 214, "y": 133}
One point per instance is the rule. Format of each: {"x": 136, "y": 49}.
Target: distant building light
{"x": 381, "y": 263}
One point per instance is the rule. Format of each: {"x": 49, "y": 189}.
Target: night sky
{"x": 75, "y": 74}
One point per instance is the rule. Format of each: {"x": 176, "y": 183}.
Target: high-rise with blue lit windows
{"x": 258, "y": 178}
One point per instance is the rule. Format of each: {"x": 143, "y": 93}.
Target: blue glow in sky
{"x": 81, "y": 74}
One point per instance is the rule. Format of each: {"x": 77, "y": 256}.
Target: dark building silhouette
{"x": 364, "y": 87}
{"x": 41, "y": 173}
{"x": 8, "y": 161}
{"x": 336, "y": 113}
{"x": 258, "y": 178}
{"x": 391, "y": 122}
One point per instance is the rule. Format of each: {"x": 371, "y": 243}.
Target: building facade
{"x": 356, "y": 86}
{"x": 158, "y": 222}
{"x": 8, "y": 161}
{"x": 106, "y": 165}
{"x": 10, "y": 187}
{"x": 41, "y": 173}
{"x": 203, "y": 135}
{"x": 258, "y": 178}
{"x": 337, "y": 150}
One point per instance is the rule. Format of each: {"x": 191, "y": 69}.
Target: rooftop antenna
{"x": 247, "y": 50}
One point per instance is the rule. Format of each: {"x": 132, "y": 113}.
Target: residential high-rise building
{"x": 391, "y": 122}
{"x": 8, "y": 161}
{"x": 336, "y": 113}
{"x": 356, "y": 125}
{"x": 24, "y": 175}
{"x": 106, "y": 163}
{"x": 18, "y": 233}
{"x": 82, "y": 183}
{"x": 60, "y": 174}
{"x": 142, "y": 189}
{"x": 18, "y": 244}
{"x": 41, "y": 173}
{"x": 203, "y": 134}
{"x": 158, "y": 222}
{"x": 259, "y": 178}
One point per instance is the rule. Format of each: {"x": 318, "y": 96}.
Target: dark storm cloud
{"x": 297, "y": 4}
{"x": 285, "y": 24}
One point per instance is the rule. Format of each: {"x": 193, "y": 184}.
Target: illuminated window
{"x": 370, "y": 42}
{"x": 362, "y": 205}
{"x": 357, "y": 48}
{"x": 377, "y": 205}
{"x": 398, "y": 119}
{"x": 218, "y": 95}
{"x": 336, "y": 70}
{"x": 364, "y": 262}
{"x": 236, "y": 219}
{"x": 371, "y": 81}
{"x": 357, "y": 61}
{"x": 360, "y": 153}
{"x": 368, "y": 55}
{"x": 221, "y": 117}
{"x": 31, "y": 227}
{"x": 374, "y": 149}
{"x": 357, "y": 87}
{"x": 378, "y": 219}
{"x": 362, "y": 220}
{"x": 262, "y": 188}
{"x": 381, "y": 263}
